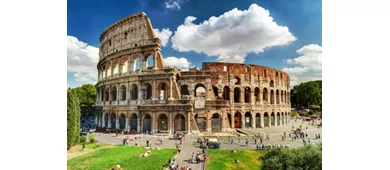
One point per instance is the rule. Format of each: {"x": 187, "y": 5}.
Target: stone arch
{"x": 247, "y": 69}
{"x": 124, "y": 65}
{"x": 271, "y": 83}
{"x": 265, "y": 95}
{"x": 226, "y": 93}
{"x": 148, "y": 91}
{"x": 285, "y": 97}
{"x": 248, "y": 120}
{"x": 149, "y": 61}
{"x": 281, "y": 96}
{"x": 184, "y": 90}
{"x": 266, "y": 120}
{"x": 133, "y": 92}
{"x": 162, "y": 123}
{"x": 179, "y": 122}
{"x": 147, "y": 123}
{"x": 258, "y": 120}
{"x": 282, "y": 118}
{"x": 237, "y": 95}
{"x": 122, "y": 93}
{"x": 133, "y": 121}
{"x": 113, "y": 93}
{"x": 257, "y": 94}
{"x": 273, "y": 119}
{"x": 229, "y": 117}
{"x": 238, "y": 80}
{"x": 163, "y": 91}
{"x": 122, "y": 121}
{"x": 272, "y": 97}
{"x": 201, "y": 122}
{"x": 107, "y": 94}
{"x": 106, "y": 120}
{"x": 108, "y": 69}
{"x": 215, "y": 90}
{"x": 115, "y": 65}
{"x": 277, "y": 97}
{"x": 278, "y": 119}
{"x": 237, "y": 120}
{"x": 200, "y": 90}
{"x": 136, "y": 63}
{"x": 247, "y": 94}
{"x": 113, "y": 121}
{"x": 216, "y": 123}
{"x": 104, "y": 72}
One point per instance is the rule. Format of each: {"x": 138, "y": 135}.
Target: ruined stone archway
{"x": 133, "y": 92}
{"x": 163, "y": 123}
{"x": 278, "y": 118}
{"x": 247, "y": 94}
{"x": 113, "y": 121}
{"x": 257, "y": 94}
{"x": 200, "y": 90}
{"x": 163, "y": 91}
{"x": 106, "y": 120}
{"x": 133, "y": 122}
{"x": 237, "y": 95}
{"x": 237, "y": 120}
{"x": 273, "y": 119}
{"x": 265, "y": 95}
{"x": 282, "y": 118}
{"x": 216, "y": 123}
{"x": 272, "y": 97}
{"x": 147, "y": 123}
{"x": 248, "y": 120}
{"x": 226, "y": 93}
{"x": 201, "y": 122}
{"x": 215, "y": 90}
{"x": 122, "y": 121}
{"x": 258, "y": 120}
{"x": 266, "y": 119}
{"x": 122, "y": 93}
{"x": 179, "y": 122}
{"x": 184, "y": 90}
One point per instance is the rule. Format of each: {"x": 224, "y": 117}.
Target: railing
{"x": 219, "y": 103}
{"x": 181, "y": 101}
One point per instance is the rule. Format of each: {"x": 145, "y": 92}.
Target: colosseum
{"x": 138, "y": 92}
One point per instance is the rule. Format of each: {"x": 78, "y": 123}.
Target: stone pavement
{"x": 184, "y": 158}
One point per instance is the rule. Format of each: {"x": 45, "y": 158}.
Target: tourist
{"x": 83, "y": 147}
{"x": 246, "y": 142}
{"x": 306, "y": 135}
{"x": 261, "y": 140}
{"x": 256, "y": 140}
{"x": 308, "y": 140}
{"x": 319, "y": 136}
{"x": 147, "y": 143}
{"x": 257, "y": 146}
{"x": 124, "y": 141}
{"x": 204, "y": 158}
{"x": 193, "y": 157}
{"x": 179, "y": 149}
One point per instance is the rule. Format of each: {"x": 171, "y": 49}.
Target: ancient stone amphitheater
{"x": 137, "y": 91}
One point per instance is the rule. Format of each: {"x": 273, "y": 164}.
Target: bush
{"x": 294, "y": 114}
{"x": 92, "y": 138}
{"x": 83, "y": 139}
{"x": 310, "y": 112}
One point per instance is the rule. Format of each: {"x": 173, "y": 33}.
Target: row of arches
{"x": 112, "y": 121}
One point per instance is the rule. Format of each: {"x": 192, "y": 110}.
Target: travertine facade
{"x": 218, "y": 97}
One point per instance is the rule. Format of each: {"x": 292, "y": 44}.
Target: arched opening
{"x": 163, "y": 123}
{"x": 248, "y": 119}
{"x": 124, "y": 66}
{"x": 108, "y": 70}
{"x": 272, "y": 119}
{"x": 237, "y": 95}
{"x": 133, "y": 122}
{"x": 229, "y": 116}
{"x": 265, "y": 95}
{"x": 113, "y": 121}
{"x": 272, "y": 97}
{"x": 122, "y": 121}
{"x": 180, "y": 123}
{"x": 133, "y": 92}
{"x": 105, "y": 120}
{"x": 147, "y": 123}
{"x": 122, "y": 92}
{"x": 247, "y": 95}
{"x": 148, "y": 92}
{"x": 104, "y": 72}
{"x": 215, "y": 90}
{"x": 258, "y": 120}
{"x": 224, "y": 68}
{"x": 107, "y": 95}
{"x": 237, "y": 120}
{"x": 216, "y": 123}
{"x": 266, "y": 119}
{"x": 226, "y": 93}
{"x": 285, "y": 97}
{"x": 238, "y": 80}
{"x": 200, "y": 90}
{"x": 136, "y": 63}
{"x": 257, "y": 94}
{"x": 277, "y": 97}
{"x": 163, "y": 91}
{"x": 271, "y": 84}
{"x": 184, "y": 90}
{"x": 282, "y": 118}
{"x": 150, "y": 62}
{"x": 281, "y": 96}
{"x": 116, "y": 67}
{"x": 247, "y": 69}
{"x": 113, "y": 93}
{"x": 264, "y": 73}
{"x": 201, "y": 122}
{"x": 278, "y": 118}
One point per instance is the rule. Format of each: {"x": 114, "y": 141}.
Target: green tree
{"x": 86, "y": 94}
{"x": 72, "y": 107}
{"x": 308, "y": 93}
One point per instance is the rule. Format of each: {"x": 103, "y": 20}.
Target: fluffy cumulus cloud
{"x": 172, "y": 4}
{"x": 232, "y": 35}
{"x": 180, "y": 63}
{"x": 306, "y": 67}
{"x": 82, "y": 60}
{"x": 163, "y": 35}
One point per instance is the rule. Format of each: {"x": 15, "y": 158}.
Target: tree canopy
{"x": 306, "y": 94}
{"x": 73, "y": 118}
{"x": 86, "y": 94}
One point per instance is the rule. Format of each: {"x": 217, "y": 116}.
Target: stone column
{"x": 170, "y": 126}
{"x": 243, "y": 120}
{"x": 232, "y": 120}
{"x": 155, "y": 60}
{"x": 127, "y": 123}
{"x": 170, "y": 89}
{"x": 261, "y": 120}
{"x": 96, "y": 119}
{"x": 242, "y": 95}
{"x": 117, "y": 121}
{"x": 139, "y": 119}
{"x": 252, "y": 98}
{"x": 253, "y": 121}
{"x": 154, "y": 95}
{"x": 276, "y": 119}
{"x": 112, "y": 69}
{"x": 189, "y": 122}
{"x": 103, "y": 120}
{"x": 140, "y": 93}
{"x": 208, "y": 123}
{"x": 117, "y": 94}
{"x": 153, "y": 121}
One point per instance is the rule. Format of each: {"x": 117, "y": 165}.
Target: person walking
{"x": 193, "y": 157}
{"x": 83, "y": 147}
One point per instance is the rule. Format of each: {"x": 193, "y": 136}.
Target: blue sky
{"x": 297, "y": 51}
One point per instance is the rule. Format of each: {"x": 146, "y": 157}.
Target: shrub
{"x": 83, "y": 139}
{"x": 92, "y": 138}
{"x": 310, "y": 112}
{"x": 294, "y": 114}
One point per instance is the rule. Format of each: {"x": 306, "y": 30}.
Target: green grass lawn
{"x": 224, "y": 159}
{"x": 128, "y": 157}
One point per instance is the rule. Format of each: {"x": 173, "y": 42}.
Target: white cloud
{"x": 181, "y": 63}
{"x": 306, "y": 67}
{"x": 164, "y": 35}
{"x": 172, "y": 4}
{"x": 82, "y": 60}
{"x": 232, "y": 35}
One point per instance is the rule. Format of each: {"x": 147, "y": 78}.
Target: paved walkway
{"x": 184, "y": 158}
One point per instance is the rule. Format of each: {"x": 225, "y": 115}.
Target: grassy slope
{"x": 125, "y": 156}
{"x": 224, "y": 159}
